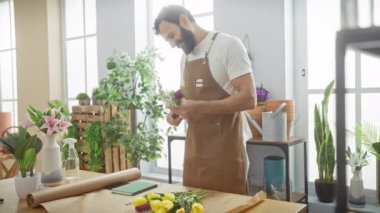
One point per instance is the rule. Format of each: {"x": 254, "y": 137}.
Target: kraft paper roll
{"x": 255, "y": 200}
{"x": 36, "y": 198}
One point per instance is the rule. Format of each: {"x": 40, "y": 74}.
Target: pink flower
{"x": 27, "y": 122}
{"x": 63, "y": 125}
{"x": 51, "y": 123}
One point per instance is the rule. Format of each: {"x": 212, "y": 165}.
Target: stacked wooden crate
{"x": 114, "y": 156}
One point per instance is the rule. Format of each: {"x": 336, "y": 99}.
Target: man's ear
{"x": 184, "y": 21}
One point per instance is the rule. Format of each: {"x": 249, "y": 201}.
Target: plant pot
{"x": 378, "y": 181}
{"x": 26, "y": 185}
{"x": 52, "y": 174}
{"x": 325, "y": 191}
{"x": 356, "y": 192}
{"x": 84, "y": 102}
{"x": 97, "y": 102}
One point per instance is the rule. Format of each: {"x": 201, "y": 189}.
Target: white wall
{"x": 269, "y": 26}
{"x": 263, "y": 21}
{"x": 116, "y": 29}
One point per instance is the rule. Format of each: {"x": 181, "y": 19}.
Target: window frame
{"x": 12, "y": 50}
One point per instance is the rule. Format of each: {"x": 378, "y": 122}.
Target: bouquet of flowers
{"x": 51, "y": 121}
{"x": 357, "y": 160}
{"x": 176, "y": 202}
{"x": 172, "y": 98}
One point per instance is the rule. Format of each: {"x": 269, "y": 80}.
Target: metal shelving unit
{"x": 364, "y": 39}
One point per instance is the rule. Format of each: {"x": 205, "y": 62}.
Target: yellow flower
{"x": 181, "y": 210}
{"x": 161, "y": 210}
{"x": 167, "y": 204}
{"x": 155, "y": 205}
{"x": 169, "y": 196}
{"x": 139, "y": 201}
{"x": 152, "y": 196}
{"x": 197, "y": 208}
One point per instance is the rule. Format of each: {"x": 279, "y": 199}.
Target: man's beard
{"x": 187, "y": 43}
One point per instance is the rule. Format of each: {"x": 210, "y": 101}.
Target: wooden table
{"x": 214, "y": 201}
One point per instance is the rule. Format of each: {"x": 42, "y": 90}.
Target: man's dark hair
{"x": 171, "y": 14}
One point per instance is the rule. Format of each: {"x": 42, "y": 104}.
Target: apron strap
{"x": 212, "y": 42}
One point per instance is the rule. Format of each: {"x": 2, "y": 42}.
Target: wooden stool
{"x": 7, "y": 171}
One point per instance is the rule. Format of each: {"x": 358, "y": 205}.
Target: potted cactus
{"x": 324, "y": 142}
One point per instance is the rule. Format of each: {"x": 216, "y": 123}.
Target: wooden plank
{"x": 108, "y": 160}
{"x": 87, "y": 117}
{"x": 115, "y": 158}
{"x": 123, "y": 163}
{"x": 88, "y": 109}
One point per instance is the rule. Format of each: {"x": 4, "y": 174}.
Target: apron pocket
{"x": 205, "y": 139}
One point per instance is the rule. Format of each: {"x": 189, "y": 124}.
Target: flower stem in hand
{"x": 175, "y": 116}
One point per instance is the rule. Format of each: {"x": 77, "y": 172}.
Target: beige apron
{"x": 214, "y": 152}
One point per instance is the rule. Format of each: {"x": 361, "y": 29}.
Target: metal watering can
{"x": 274, "y": 124}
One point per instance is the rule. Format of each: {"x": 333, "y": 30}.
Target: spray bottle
{"x": 72, "y": 161}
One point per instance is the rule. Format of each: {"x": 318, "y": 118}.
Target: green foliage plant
{"x": 369, "y": 135}
{"x": 324, "y": 139}
{"x": 24, "y": 147}
{"x": 82, "y": 96}
{"x": 93, "y": 137}
{"x": 131, "y": 85}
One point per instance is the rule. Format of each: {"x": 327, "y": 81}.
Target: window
{"x": 362, "y": 88}
{"x": 8, "y": 70}
{"x": 169, "y": 68}
{"x": 80, "y": 47}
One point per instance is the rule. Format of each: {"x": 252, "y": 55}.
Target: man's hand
{"x": 173, "y": 120}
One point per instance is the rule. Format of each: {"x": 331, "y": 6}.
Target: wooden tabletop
{"x": 213, "y": 202}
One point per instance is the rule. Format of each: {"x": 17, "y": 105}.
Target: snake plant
{"x": 324, "y": 139}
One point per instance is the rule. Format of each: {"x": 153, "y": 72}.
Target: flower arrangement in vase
{"x": 357, "y": 160}
{"x": 51, "y": 122}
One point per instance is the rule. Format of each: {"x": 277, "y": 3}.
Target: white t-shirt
{"x": 228, "y": 59}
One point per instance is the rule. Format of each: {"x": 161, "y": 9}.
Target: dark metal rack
{"x": 364, "y": 39}
{"x": 285, "y": 146}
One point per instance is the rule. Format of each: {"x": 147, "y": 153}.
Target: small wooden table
{"x": 213, "y": 202}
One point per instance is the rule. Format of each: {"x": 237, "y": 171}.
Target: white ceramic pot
{"x": 356, "y": 191}
{"x": 26, "y": 185}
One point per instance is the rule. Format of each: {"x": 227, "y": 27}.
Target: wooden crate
{"x": 114, "y": 156}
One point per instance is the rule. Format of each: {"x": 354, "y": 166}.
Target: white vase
{"x": 51, "y": 162}
{"x": 356, "y": 191}
{"x": 26, "y": 185}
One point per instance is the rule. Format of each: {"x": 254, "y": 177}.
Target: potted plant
{"x": 83, "y": 99}
{"x": 98, "y": 96}
{"x": 357, "y": 160}
{"x": 369, "y": 135}
{"x": 51, "y": 123}
{"x": 325, "y": 184}
{"x": 131, "y": 86}
{"x": 25, "y": 148}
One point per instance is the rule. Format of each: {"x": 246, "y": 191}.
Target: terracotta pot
{"x": 5, "y": 121}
